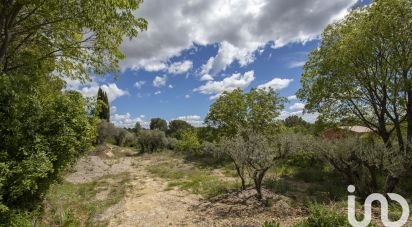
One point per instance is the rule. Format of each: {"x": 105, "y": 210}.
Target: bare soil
{"x": 150, "y": 202}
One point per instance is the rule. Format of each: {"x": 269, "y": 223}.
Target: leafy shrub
{"x": 324, "y": 217}
{"x": 42, "y": 132}
{"x": 189, "y": 141}
{"x": 106, "y": 131}
{"x": 171, "y": 143}
{"x": 124, "y": 138}
{"x": 152, "y": 140}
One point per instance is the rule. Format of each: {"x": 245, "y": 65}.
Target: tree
{"x": 177, "y": 126}
{"x": 255, "y": 153}
{"x": 255, "y": 110}
{"x": 42, "y": 132}
{"x": 363, "y": 70}
{"x": 294, "y": 121}
{"x": 137, "y": 128}
{"x": 103, "y": 105}
{"x": 73, "y": 38}
{"x": 152, "y": 140}
{"x": 159, "y": 124}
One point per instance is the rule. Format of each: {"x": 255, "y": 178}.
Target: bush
{"x": 189, "y": 141}
{"x": 43, "y": 131}
{"x": 106, "y": 131}
{"x": 152, "y": 140}
{"x": 124, "y": 138}
{"x": 324, "y": 217}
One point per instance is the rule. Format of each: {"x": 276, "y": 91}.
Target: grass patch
{"x": 68, "y": 204}
{"x": 196, "y": 180}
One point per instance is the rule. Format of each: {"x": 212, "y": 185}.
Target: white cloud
{"x": 157, "y": 93}
{"x": 216, "y": 88}
{"x": 226, "y": 55}
{"x": 194, "y": 120}
{"x": 297, "y": 64}
{"x": 170, "y": 86}
{"x": 139, "y": 84}
{"x": 113, "y": 109}
{"x": 276, "y": 84}
{"x": 127, "y": 121}
{"x": 90, "y": 88}
{"x": 206, "y": 77}
{"x": 239, "y": 28}
{"x": 180, "y": 67}
{"x": 187, "y": 96}
{"x": 292, "y": 97}
{"x": 297, "y": 106}
{"x": 309, "y": 117}
{"x": 159, "y": 81}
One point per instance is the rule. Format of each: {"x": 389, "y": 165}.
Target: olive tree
{"x": 363, "y": 71}
{"x": 254, "y": 153}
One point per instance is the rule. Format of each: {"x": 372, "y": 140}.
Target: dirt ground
{"x": 149, "y": 202}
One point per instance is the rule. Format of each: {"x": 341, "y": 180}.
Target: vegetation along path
{"x": 146, "y": 190}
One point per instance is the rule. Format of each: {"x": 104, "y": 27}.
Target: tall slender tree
{"x": 103, "y": 105}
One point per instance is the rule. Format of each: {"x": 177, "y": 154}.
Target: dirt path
{"x": 149, "y": 202}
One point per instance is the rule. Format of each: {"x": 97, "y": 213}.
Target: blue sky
{"x": 194, "y": 50}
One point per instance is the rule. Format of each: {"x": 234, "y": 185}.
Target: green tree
{"x": 295, "y": 121}
{"x": 42, "y": 132}
{"x": 103, "y": 105}
{"x": 363, "y": 69}
{"x": 177, "y": 126}
{"x": 255, "y": 110}
{"x": 159, "y": 124}
{"x": 74, "y": 38}
{"x": 137, "y": 128}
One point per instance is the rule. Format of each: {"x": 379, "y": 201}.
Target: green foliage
{"x": 103, "y": 105}
{"x": 137, "y": 128}
{"x": 176, "y": 126}
{"x": 361, "y": 73}
{"x": 43, "y": 131}
{"x": 209, "y": 134}
{"x": 322, "y": 216}
{"x": 189, "y": 141}
{"x": 71, "y": 38}
{"x": 255, "y": 110}
{"x": 152, "y": 140}
{"x": 159, "y": 124}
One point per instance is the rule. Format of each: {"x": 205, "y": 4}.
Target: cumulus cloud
{"x": 194, "y": 120}
{"x": 159, "y": 81}
{"x": 276, "y": 84}
{"x": 297, "y": 106}
{"x": 226, "y": 55}
{"x": 89, "y": 89}
{"x": 292, "y": 97}
{"x": 127, "y": 121}
{"x": 157, "y": 93}
{"x": 180, "y": 67}
{"x": 216, "y": 88}
{"x": 240, "y": 28}
{"x": 139, "y": 84}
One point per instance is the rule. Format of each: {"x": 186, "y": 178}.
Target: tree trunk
{"x": 240, "y": 174}
{"x": 391, "y": 183}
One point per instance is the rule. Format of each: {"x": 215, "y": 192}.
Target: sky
{"x": 194, "y": 50}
